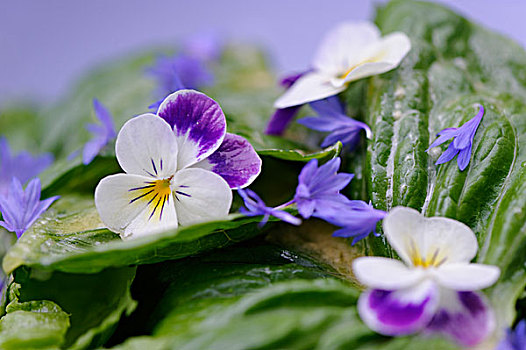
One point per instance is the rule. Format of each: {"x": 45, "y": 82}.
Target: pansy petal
{"x": 310, "y": 87}
{"x": 198, "y": 123}
{"x": 125, "y": 204}
{"x": 466, "y": 317}
{"x": 399, "y": 312}
{"x": 438, "y": 238}
{"x": 384, "y": 273}
{"x": 157, "y": 217}
{"x": 201, "y": 195}
{"x": 146, "y": 146}
{"x": 466, "y": 277}
{"x": 281, "y": 119}
{"x": 342, "y": 43}
{"x": 235, "y": 160}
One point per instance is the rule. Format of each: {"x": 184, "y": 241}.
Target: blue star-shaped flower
{"x": 357, "y": 219}
{"x": 23, "y": 166}
{"x": 515, "y": 339}
{"x": 102, "y": 134}
{"x": 318, "y": 191}
{"x": 254, "y": 206}
{"x": 462, "y": 141}
{"x": 20, "y": 209}
{"x": 331, "y": 118}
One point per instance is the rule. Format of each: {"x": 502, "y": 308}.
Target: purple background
{"x": 45, "y": 45}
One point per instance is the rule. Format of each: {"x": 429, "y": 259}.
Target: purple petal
{"x": 399, "y": 312}
{"x": 92, "y": 148}
{"x": 463, "y": 316}
{"x": 198, "y": 122}
{"x": 105, "y": 117}
{"x": 235, "y": 160}
{"x": 443, "y": 136}
{"x": 317, "y": 123}
{"x": 192, "y": 72}
{"x": 448, "y": 154}
{"x": 23, "y": 166}
{"x": 281, "y": 119}
{"x": 349, "y": 138}
{"x": 204, "y": 46}
{"x": 466, "y": 132}
{"x": 330, "y": 106}
{"x": 21, "y": 209}
{"x": 284, "y": 216}
{"x": 288, "y": 80}
{"x": 463, "y": 158}
{"x": 308, "y": 172}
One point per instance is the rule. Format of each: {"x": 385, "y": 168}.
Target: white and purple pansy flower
{"x": 181, "y": 166}
{"x": 433, "y": 289}
{"x": 349, "y": 52}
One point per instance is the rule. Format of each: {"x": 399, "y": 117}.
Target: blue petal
{"x": 281, "y": 119}
{"x": 463, "y": 158}
{"x": 466, "y": 132}
{"x": 448, "y": 154}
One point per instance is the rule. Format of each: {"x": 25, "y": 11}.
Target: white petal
{"x": 159, "y": 216}
{"x": 448, "y": 240}
{"x": 377, "y": 58}
{"x": 384, "y": 273}
{"x": 201, "y": 196}
{"x": 344, "y": 44}
{"x": 310, "y": 87}
{"x": 146, "y": 146}
{"x": 466, "y": 277}
{"x": 120, "y": 209}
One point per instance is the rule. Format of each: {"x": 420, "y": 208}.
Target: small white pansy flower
{"x": 351, "y": 51}
{"x": 180, "y": 168}
{"x": 433, "y": 288}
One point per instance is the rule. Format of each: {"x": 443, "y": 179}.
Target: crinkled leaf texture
{"x": 60, "y": 310}
{"x": 254, "y": 296}
{"x": 453, "y": 66}
{"x": 71, "y": 238}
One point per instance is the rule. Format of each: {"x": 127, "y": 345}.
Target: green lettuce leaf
{"x": 453, "y": 65}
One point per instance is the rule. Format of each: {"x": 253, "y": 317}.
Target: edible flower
{"x": 331, "y": 118}
{"x": 433, "y": 289}
{"x": 515, "y": 339}
{"x": 23, "y": 166}
{"x": 20, "y": 209}
{"x": 283, "y": 116}
{"x": 255, "y": 206}
{"x": 349, "y": 52}
{"x": 357, "y": 219}
{"x": 462, "y": 141}
{"x": 102, "y": 134}
{"x": 318, "y": 190}
{"x": 180, "y": 166}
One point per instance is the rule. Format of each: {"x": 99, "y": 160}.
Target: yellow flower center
{"x": 434, "y": 258}
{"x": 156, "y": 193}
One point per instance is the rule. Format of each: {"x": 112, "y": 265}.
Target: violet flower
{"x": 318, "y": 191}
{"x": 23, "y": 166}
{"x": 283, "y": 116}
{"x": 254, "y": 206}
{"x": 462, "y": 141}
{"x": 434, "y": 288}
{"x": 102, "y": 134}
{"x": 180, "y": 72}
{"x": 206, "y": 46}
{"x": 20, "y": 209}
{"x": 357, "y": 219}
{"x": 515, "y": 339}
{"x": 331, "y": 118}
